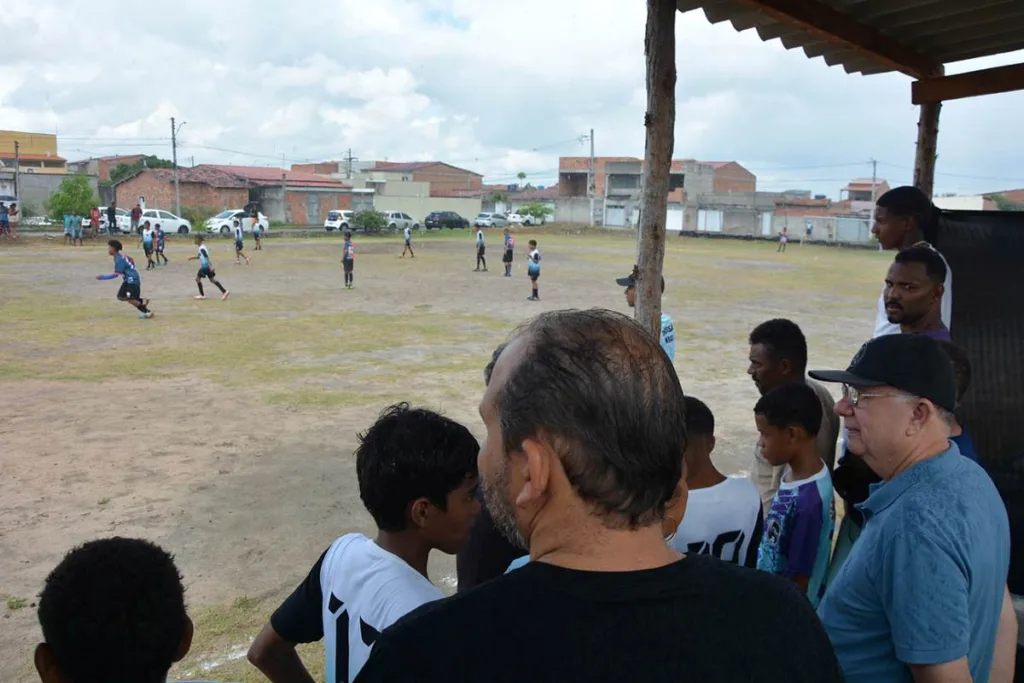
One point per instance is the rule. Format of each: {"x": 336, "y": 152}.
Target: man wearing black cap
{"x": 668, "y": 328}
{"x": 921, "y": 592}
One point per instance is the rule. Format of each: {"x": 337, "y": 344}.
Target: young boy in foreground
{"x": 206, "y": 270}
{"x": 131, "y": 287}
{"x": 112, "y": 610}
{"x": 418, "y": 479}
{"x": 797, "y": 536}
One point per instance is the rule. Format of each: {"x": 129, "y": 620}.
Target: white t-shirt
{"x": 356, "y": 590}
{"x": 884, "y": 327}
{"x": 239, "y": 233}
{"x": 479, "y": 238}
{"x": 724, "y": 520}
{"x": 408, "y": 233}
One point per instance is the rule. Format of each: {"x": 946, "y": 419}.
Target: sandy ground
{"x": 224, "y": 430}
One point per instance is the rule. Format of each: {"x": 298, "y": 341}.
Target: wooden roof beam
{"x": 837, "y": 27}
{"x": 971, "y": 84}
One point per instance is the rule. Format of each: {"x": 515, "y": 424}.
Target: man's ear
{"x": 786, "y": 366}
{"x": 536, "y": 470}
{"x": 46, "y": 665}
{"x": 186, "y": 640}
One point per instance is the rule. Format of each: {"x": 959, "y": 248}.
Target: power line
{"x": 958, "y": 175}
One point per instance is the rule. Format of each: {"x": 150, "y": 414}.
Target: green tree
{"x": 536, "y": 211}
{"x": 74, "y": 196}
{"x": 122, "y": 171}
{"x": 522, "y": 177}
{"x": 1005, "y": 204}
{"x": 369, "y": 221}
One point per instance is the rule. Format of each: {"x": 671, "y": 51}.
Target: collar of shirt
{"x": 883, "y": 494}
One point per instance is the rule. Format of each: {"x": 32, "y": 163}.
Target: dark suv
{"x": 444, "y": 219}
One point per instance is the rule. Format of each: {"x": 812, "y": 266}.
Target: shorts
{"x": 408, "y": 242}
{"x": 348, "y": 264}
{"x": 159, "y": 248}
{"x": 76, "y": 233}
{"x": 239, "y": 245}
{"x": 130, "y": 291}
{"x": 507, "y": 258}
{"x": 256, "y": 234}
{"x": 534, "y": 274}
{"x": 206, "y": 272}
{"x": 480, "y": 251}
{"x": 147, "y": 249}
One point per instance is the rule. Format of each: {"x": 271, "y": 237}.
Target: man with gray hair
{"x": 921, "y": 593}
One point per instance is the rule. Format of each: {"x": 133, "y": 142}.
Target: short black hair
{"x": 412, "y": 453}
{"x": 598, "y": 389}
{"x": 348, "y": 234}
{"x": 115, "y": 244}
{"x": 934, "y": 266}
{"x": 200, "y": 239}
{"x": 784, "y": 341}
{"x": 961, "y": 367}
{"x": 489, "y": 369}
{"x": 114, "y": 610}
{"x": 533, "y": 243}
{"x": 791, "y": 405}
{"x": 699, "y": 419}
{"x": 911, "y": 202}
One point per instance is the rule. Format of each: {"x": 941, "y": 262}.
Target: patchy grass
{"x": 14, "y": 604}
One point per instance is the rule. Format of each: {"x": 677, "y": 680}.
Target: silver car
{"x": 490, "y": 220}
{"x": 400, "y": 221}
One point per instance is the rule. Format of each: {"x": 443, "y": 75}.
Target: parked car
{"x": 339, "y": 220}
{"x": 444, "y": 219}
{"x": 519, "y": 219}
{"x": 490, "y": 220}
{"x": 121, "y": 217}
{"x": 400, "y": 221}
{"x": 224, "y": 222}
{"x": 167, "y": 220}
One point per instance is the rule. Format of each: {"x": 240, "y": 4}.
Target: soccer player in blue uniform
{"x": 161, "y": 238}
{"x": 348, "y": 259}
{"x": 240, "y": 244}
{"x": 147, "y": 245}
{"x": 510, "y": 247}
{"x": 206, "y": 270}
{"x": 131, "y": 287}
{"x": 533, "y": 270}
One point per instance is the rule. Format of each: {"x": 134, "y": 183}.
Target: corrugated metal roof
{"x": 942, "y": 30}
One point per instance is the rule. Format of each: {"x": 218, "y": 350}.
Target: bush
{"x": 74, "y": 196}
{"x": 369, "y": 221}
{"x": 537, "y": 211}
{"x": 197, "y": 215}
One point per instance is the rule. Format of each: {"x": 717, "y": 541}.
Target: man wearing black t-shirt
{"x": 585, "y": 428}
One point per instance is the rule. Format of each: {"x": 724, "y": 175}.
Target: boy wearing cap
{"x": 668, "y": 328}
{"x": 921, "y": 594}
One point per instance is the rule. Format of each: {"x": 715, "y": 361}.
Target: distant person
{"x": 5, "y": 219}
{"x": 408, "y": 243}
{"x": 481, "y": 249}
{"x": 510, "y": 252}
{"x": 922, "y": 594}
{"x": 913, "y": 292}
{"x": 240, "y": 244}
{"x": 487, "y": 553}
{"x": 257, "y": 234}
{"x": 68, "y": 220}
{"x": 533, "y": 270}
{"x": 905, "y": 217}
{"x": 783, "y": 239}
{"x": 778, "y": 356}
{"x": 797, "y": 539}
{"x": 94, "y": 220}
{"x": 131, "y": 281}
{"x": 112, "y": 610}
{"x": 161, "y": 244}
{"x": 723, "y": 514}
{"x": 148, "y": 245}
{"x": 136, "y": 217}
{"x": 585, "y": 423}
{"x": 206, "y": 270}
{"x": 76, "y": 230}
{"x": 668, "y": 327}
{"x": 348, "y": 259}
{"x": 14, "y": 217}
{"x": 112, "y": 218}
{"x": 417, "y": 478}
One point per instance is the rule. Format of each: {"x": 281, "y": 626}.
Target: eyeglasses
{"x": 854, "y": 395}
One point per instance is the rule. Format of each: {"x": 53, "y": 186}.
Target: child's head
{"x": 961, "y": 367}
{"x": 199, "y": 239}
{"x": 788, "y": 419}
{"x": 533, "y": 243}
{"x": 113, "y": 246}
{"x": 112, "y": 610}
{"x": 700, "y": 431}
{"x": 417, "y": 474}
{"x": 145, "y": 226}
{"x": 348, "y": 235}
{"x": 236, "y": 223}
{"x": 157, "y": 227}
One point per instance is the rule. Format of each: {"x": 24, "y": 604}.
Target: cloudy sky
{"x": 498, "y": 87}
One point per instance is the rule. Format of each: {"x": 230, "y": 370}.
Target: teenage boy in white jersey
{"x": 418, "y": 479}
{"x": 723, "y": 514}
{"x": 240, "y": 244}
{"x": 408, "y": 243}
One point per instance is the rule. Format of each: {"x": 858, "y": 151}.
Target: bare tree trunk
{"x": 927, "y": 147}
{"x": 660, "y": 48}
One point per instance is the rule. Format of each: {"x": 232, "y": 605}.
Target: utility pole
{"x": 17, "y": 171}
{"x": 592, "y": 180}
{"x": 174, "y": 159}
{"x": 349, "y": 164}
{"x": 874, "y": 182}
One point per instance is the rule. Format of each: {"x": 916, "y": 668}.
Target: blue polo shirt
{"x": 924, "y": 582}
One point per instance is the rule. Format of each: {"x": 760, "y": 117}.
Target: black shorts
{"x": 206, "y": 272}
{"x": 239, "y": 245}
{"x": 130, "y": 291}
{"x": 147, "y": 250}
{"x": 348, "y": 264}
{"x": 159, "y": 248}
{"x": 534, "y": 276}
{"x": 507, "y": 258}
{"x": 480, "y": 251}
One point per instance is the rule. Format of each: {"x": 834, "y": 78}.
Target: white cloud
{"x": 486, "y": 85}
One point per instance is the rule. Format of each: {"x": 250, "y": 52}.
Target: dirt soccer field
{"x": 224, "y": 430}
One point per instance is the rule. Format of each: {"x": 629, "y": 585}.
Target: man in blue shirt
{"x": 131, "y": 286}
{"x": 921, "y": 593}
{"x": 668, "y": 328}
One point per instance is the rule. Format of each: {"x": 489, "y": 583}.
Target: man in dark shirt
{"x": 585, "y": 427}
{"x": 112, "y": 226}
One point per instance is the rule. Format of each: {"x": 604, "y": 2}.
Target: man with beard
{"x": 778, "y": 356}
{"x": 913, "y": 292}
{"x": 586, "y": 427}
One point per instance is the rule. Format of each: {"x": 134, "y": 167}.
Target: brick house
{"x": 102, "y": 166}
{"x": 729, "y": 176}
{"x": 444, "y": 178}
{"x": 201, "y": 187}
{"x": 292, "y": 197}
{"x": 715, "y": 176}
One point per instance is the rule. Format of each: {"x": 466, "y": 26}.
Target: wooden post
{"x": 660, "y": 49}
{"x": 927, "y": 141}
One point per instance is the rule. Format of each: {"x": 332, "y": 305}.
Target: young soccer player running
{"x": 481, "y": 248}
{"x": 510, "y": 246}
{"x": 533, "y": 270}
{"x": 131, "y": 287}
{"x": 798, "y": 530}
{"x": 240, "y": 244}
{"x": 147, "y": 245}
{"x": 161, "y": 240}
{"x": 418, "y": 479}
{"x": 408, "y": 243}
{"x": 206, "y": 270}
{"x": 348, "y": 259}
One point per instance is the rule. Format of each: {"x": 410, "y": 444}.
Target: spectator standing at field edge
{"x": 586, "y": 426}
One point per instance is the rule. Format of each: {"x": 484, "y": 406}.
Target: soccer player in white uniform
{"x": 408, "y": 243}
{"x": 481, "y": 249}
{"x": 240, "y": 244}
{"x": 418, "y": 479}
